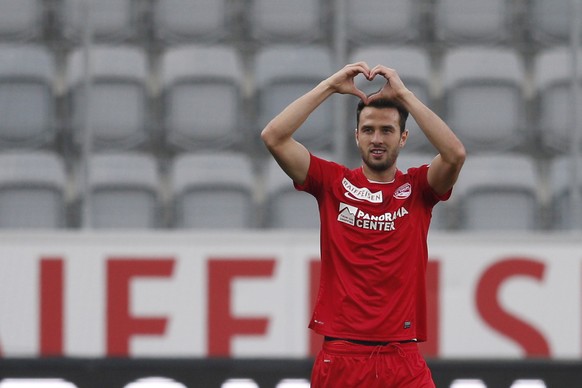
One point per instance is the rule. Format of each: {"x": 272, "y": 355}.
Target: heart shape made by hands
{"x": 369, "y": 86}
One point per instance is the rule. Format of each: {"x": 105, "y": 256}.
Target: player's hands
{"x": 343, "y": 81}
{"x": 394, "y": 88}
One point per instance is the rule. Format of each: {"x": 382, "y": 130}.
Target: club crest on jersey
{"x": 403, "y": 191}
{"x": 361, "y": 194}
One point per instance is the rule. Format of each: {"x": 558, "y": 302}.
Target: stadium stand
{"x": 497, "y": 71}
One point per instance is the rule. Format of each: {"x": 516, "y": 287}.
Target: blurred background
{"x": 143, "y": 117}
{"x": 121, "y": 102}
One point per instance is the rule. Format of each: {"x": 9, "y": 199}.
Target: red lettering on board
{"x": 222, "y": 325}
{"x": 51, "y": 306}
{"x": 121, "y": 325}
{"x": 489, "y": 306}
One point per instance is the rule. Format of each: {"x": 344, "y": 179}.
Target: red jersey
{"x": 373, "y": 252}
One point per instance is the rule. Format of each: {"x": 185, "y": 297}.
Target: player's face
{"x": 379, "y": 137}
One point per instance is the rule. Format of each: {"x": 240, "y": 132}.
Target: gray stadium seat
{"x": 213, "y": 191}
{"x": 499, "y": 192}
{"x": 124, "y": 191}
{"x": 21, "y": 19}
{"x": 484, "y": 97}
{"x": 553, "y": 76}
{"x": 32, "y": 190}
{"x": 118, "y": 110}
{"x": 381, "y": 21}
{"x": 287, "y": 21}
{"x": 110, "y": 20}
{"x": 202, "y": 97}
{"x": 281, "y": 77}
{"x": 191, "y": 20}
{"x": 476, "y": 21}
{"x": 413, "y": 66}
{"x": 27, "y": 96}
{"x": 560, "y": 191}
{"x": 550, "y": 21}
{"x": 285, "y": 207}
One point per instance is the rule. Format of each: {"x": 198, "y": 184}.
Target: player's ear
{"x": 403, "y": 138}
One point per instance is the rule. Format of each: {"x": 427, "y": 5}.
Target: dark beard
{"x": 380, "y": 166}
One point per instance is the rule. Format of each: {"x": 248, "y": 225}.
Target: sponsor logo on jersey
{"x": 403, "y": 191}
{"x": 361, "y": 194}
{"x": 352, "y": 215}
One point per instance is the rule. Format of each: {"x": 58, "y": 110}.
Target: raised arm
{"x": 446, "y": 166}
{"x": 292, "y": 156}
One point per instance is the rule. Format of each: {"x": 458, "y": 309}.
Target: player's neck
{"x": 375, "y": 176}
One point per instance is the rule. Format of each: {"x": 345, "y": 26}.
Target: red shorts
{"x": 341, "y": 364}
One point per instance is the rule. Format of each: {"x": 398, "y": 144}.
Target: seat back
{"x": 118, "y": 104}
{"x": 499, "y": 192}
{"x": 27, "y": 96}
{"x": 125, "y": 191}
{"x": 213, "y": 191}
{"x": 484, "y": 97}
{"x": 202, "y": 88}
{"x": 32, "y": 190}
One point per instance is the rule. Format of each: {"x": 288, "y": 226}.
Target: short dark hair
{"x": 384, "y": 103}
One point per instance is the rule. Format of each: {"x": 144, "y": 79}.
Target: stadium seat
{"x": 124, "y": 191}
{"x": 499, "y": 192}
{"x": 191, "y": 20}
{"x": 550, "y": 22}
{"x": 21, "y": 19}
{"x": 285, "y": 207}
{"x": 202, "y": 97}
{"x": 281, "y": 77}
{"x": 473, "y": 21}
{"x": 553, "y": 75}
{"x": 27, "y": 96}
{"x": 413, "y": 66}
{"x": 110, "y": 20}
{"x": 381, "y": 21}
{"x": 32, "y": 190}
{"x": 119, "y": 98}
{"x": 484, "y": 97}
{"x": 213, "y": 191}
{"x": 286, "y": 21}
{"x": 561, "y": 179}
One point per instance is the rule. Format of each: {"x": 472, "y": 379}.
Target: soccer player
{"x": 371, "y": 306}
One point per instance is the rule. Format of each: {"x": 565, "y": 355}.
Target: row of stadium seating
{"x": 206, "y": 97}
{"x": 222, "y": 190}
{"x": 169, "y": 21}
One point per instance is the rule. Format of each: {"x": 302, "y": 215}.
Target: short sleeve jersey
{"x": 373, "y": 252}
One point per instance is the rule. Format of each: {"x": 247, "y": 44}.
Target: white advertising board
{"x": 249, "y": 295}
